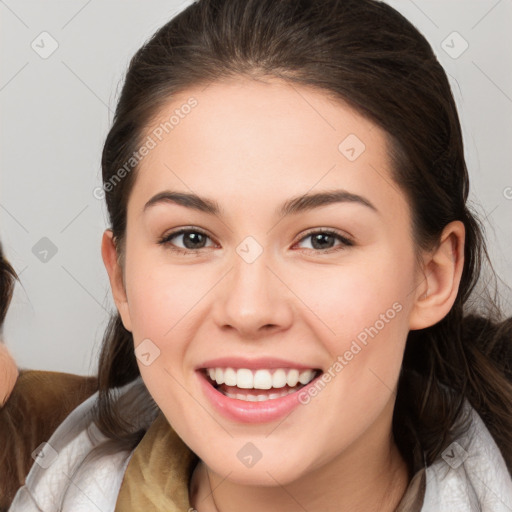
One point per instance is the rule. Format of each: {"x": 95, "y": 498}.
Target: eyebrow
{"x": 292, "y": 206}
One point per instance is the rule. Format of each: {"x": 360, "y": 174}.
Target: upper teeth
{"x": 260, "y": 379}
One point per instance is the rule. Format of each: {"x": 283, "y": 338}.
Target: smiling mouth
{"x": 259, "y": 385}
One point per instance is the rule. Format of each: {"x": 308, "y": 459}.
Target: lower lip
{"x": 252, "y": 412}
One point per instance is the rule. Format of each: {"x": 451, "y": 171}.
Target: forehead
{"x": 251, "y": 142}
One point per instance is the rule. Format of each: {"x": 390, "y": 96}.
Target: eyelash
{"x": 166, "y": 240}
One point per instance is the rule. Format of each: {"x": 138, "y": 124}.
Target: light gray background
{"x": 56, "y": 113}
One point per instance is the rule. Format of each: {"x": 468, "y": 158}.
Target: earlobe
{"x": 442, "y": 272}
{"x": 115, "y": 274}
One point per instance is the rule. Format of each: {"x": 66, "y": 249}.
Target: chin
{"x": 270, "y": 473}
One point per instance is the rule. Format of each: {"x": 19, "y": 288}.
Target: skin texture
{"x": 251, "y": 146}
{"x": 8, "y": 374}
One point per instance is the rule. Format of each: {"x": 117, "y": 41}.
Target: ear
{"x": 115, "y": 275}
{"x": 442, "y": 271}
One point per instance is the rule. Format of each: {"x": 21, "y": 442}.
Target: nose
{"x": 253, "y": 299}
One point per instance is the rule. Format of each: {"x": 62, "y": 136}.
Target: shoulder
{"x": 55, "y": 393}
{"x": 39, "y": 402}
{"x": 471, "y": 474}
{"x": 79, "y": 467}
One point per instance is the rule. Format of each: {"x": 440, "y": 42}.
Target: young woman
{"x": 292, "y": 255}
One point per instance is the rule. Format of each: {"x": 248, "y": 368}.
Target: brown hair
{"x": 367, "y": 54}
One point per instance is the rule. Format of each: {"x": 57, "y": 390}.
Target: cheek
{"x": 365, "y": 293}
{"x": 160, "y": 299}
{"x": 166, "y": 306}
{"x": 364, "y": 311}
{"x": 161, "y": 305}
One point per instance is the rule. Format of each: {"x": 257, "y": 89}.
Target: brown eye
{"x": 191, "y": 239}
{"x": 324, "y": 240}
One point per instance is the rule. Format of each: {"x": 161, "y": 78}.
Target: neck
{"x": 370, "y": 475}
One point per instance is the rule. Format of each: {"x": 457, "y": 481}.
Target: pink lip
{"x": 251, "y": 412}
{"x": 254, "y": 364}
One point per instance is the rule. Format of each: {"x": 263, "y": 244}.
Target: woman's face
{"x": 269, "y": 285}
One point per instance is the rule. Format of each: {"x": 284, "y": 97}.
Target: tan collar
{"x": 158, "y": 472}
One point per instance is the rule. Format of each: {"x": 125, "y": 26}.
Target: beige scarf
{"x": 158, "y": 473}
